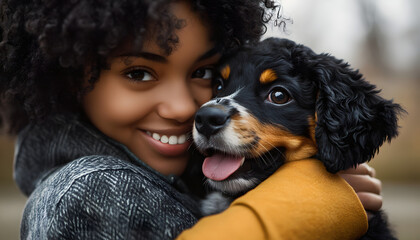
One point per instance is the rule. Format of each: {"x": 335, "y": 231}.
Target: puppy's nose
{"x": 209, "y": 120}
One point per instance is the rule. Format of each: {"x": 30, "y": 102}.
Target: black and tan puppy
{"x": 279, "y": 101}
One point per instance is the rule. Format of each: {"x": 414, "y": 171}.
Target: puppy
{"x": 279, "y": 101}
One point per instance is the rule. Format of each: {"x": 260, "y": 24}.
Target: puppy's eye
{"x": 218, "y": 86}
{"x": 279, "y": 96}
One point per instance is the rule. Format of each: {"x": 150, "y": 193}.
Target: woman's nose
{"x": 178, "y": 103}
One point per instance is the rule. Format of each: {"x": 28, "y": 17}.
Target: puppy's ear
{"x": 353, "y": 121}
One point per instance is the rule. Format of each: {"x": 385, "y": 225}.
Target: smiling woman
{"x": 147, "y": 100}
{"x": 102, "y": 95}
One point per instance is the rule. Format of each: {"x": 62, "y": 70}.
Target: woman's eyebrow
{"x": 146, "y": 55}
{"x": 210, "y": 53}
{"x": 158, "y": 58}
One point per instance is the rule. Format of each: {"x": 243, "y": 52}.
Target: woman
{"x": 103, "y": 94}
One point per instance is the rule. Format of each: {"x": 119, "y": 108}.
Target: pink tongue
{"x": 219, "y": 167}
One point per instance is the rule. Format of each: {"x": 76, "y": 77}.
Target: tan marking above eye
{"x": 225, "y": 72}
{"x": 268, "y": 76}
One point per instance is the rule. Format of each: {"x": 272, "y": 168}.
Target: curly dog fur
{"x": 279, "y": 101}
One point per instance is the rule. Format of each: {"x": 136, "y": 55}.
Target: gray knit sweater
{"x": 83, "y": 185}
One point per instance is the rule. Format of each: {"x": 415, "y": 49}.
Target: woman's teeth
{"x": 172, "y": 140}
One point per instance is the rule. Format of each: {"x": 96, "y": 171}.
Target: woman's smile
{"x": 169, "y": 142}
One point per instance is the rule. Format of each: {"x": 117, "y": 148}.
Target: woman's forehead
{"x": 130, "y": 48}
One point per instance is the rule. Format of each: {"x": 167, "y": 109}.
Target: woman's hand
{"x": 364, "y": 183}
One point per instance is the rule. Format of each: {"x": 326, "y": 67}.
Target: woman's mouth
{"x": 172, "y": 139}
{"x": 167, "y": 144}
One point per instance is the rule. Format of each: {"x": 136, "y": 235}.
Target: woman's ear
{"x": 353, "y": 121}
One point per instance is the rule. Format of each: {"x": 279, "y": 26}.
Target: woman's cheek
{"x": 114, "y": 102}
{"x": 202, "y": 93}
{"x": 125, "y": 108}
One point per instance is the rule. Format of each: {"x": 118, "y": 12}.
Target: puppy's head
{"x": 279, "y": 101}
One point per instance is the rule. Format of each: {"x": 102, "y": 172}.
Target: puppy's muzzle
{"x": 210, "y": 119}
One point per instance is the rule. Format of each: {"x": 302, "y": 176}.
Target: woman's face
{"x": 147, "y": 100}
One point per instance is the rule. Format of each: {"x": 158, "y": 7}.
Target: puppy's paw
{"x": 214, "y": 202}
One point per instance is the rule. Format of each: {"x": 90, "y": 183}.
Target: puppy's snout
{"x": 209, "y": 120}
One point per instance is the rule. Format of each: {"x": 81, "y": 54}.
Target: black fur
{"x": 352, "y": 120}
{"x": 378, "y": 228}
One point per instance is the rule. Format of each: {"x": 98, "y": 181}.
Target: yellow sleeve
{"x": 301, "y": 200}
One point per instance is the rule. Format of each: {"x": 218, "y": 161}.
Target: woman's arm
{"x": 301, "y": 200}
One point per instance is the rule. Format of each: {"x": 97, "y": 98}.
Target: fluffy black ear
{"x": 353, "y": 121}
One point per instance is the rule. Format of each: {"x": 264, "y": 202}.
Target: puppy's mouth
{"x": 221, "y": 166}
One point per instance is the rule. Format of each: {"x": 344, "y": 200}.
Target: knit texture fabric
{"x": 83, "y": 185}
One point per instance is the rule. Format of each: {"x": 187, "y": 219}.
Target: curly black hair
{"x": 47, "y": 44}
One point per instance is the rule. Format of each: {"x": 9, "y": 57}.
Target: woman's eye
{"x": 139, "y": 75}
{"x": 279, "y": 96}
{"x": 204, "y": 73}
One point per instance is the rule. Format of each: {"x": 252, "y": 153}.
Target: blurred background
{"x": 382, "y": 39}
